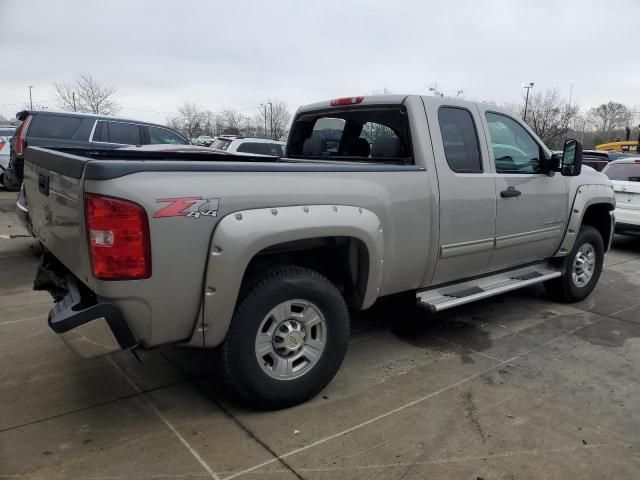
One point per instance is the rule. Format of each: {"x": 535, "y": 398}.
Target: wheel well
{"x": 597, "y": 216}
{"x": 343, "y": 260}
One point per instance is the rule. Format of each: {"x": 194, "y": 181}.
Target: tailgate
{"x": 627, "y": 194}
{"x": 54, "y": 190}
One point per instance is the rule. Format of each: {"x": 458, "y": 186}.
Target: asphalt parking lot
{"x": 512, "y": 387}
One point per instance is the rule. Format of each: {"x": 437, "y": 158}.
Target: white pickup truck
{"x": 263, "y": 257}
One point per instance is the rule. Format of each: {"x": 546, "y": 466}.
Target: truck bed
{"x": 57, "y": 181}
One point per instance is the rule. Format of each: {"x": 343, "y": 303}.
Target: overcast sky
{"x": 238, "y": 54}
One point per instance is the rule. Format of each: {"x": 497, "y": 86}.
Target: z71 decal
{"x": 192, "y": 207}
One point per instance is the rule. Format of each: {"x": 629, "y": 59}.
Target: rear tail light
{"x": 118, "y": 234}
{"x": 21, "y": 136}
{"x": 346, "y": 101}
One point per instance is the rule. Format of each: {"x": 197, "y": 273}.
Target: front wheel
{"x": 287, "y": 339}
{"x": 581, "y": 269}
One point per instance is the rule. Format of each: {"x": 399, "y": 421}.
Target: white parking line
{"x": 22, "y": 320}
{"x": 164, "y": 420}
{"x": 400, "y": 408}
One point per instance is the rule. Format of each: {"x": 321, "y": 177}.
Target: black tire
{"x": 564, "y": 288}
{"x": 242, "y": 373}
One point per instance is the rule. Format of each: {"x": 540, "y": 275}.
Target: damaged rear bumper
{"x": 89, "y": 329}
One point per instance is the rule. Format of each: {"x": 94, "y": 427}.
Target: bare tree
{"x": 86, "y": 94}
{"x": 190, "y": 120}
{"x": 548, "y": 114}
{"x": 610, "y": 116}
{"x": 231, "y": 121}
{"x": 277, "y": 119}
{"x": 439, "y": 92}
{"x": 66, "y": 96}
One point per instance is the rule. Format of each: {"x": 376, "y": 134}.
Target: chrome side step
{"x": 450, "y": 296}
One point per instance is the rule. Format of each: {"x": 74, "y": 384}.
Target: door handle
{"x": 510, "y": 192}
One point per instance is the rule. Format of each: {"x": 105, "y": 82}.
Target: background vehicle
{"x": 446, "y": 200}
{"x": 598, "y": 159}
{"x": 79, "y": 130}
{"x": 257, "y": 146}
{"x": 625, "y": 177}
{"x": 6, "y": 132}
{"x": 204, "y": 140}
{"x": 625, "y": 146}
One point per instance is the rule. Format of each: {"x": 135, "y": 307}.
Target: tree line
{"x": 551, "y": 115}
{"x": 271, "y": 122}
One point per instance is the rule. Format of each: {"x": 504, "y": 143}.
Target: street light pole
{"x": 30, "y": 98}
{"x": 265, "y": 118}
{"x": 528, "y": 86}
{"x": 271, "y": 110}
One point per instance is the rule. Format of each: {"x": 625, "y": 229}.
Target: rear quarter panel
{"x": 180, "y": 245}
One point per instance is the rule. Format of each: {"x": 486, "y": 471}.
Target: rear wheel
{"x": 581, "y": 269}
{"x": 286, "y": 340}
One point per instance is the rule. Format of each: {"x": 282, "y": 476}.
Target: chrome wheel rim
{"x": 584, "y": 264}
{"x": 291, "y": 339}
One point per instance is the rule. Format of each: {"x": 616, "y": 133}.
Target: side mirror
{"x": 571, "y": 163}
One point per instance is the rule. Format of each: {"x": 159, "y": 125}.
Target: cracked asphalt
{"x": 515, "y": 386}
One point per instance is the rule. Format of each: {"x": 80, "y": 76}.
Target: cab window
{"x": 363, "y": 134}
{"x": 514, "y": 150}
{"x": 460, "y": 140}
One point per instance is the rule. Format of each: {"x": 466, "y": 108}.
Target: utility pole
{"x": 265, "y": 118}
{"x": 528, "y": 86}
{"x": 566, "y": 133}
{"x": 73, "y": 96}
{"x": 271, "y": 109}
{"x": 30, "y": 98}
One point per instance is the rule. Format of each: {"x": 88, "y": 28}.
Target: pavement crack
{"x": 95, "y": 405}
{"x": 235, "y": 420}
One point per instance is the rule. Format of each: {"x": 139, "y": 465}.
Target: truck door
{"x": 467, "y": 191}
{"x": 531, "y": 208}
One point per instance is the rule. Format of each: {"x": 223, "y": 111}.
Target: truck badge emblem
{"x": 191, "y": 207}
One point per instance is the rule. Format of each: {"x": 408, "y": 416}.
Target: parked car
{"x": 247, "y": 145}
{"x": 625, "y": 177}
{"x": 204, "y": 140}
{"x": 6, "y": 132}
{"x": 598, "y": 159}
{"x": 261, "y": 258}
{"x": 79, "y": 130}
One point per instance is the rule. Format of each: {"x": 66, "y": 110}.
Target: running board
{"x": 450, "y": 296}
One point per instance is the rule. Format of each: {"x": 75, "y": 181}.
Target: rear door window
{"x": 262, "y": 148}
{"x": 123, "y": 133}
{"x": 368, "y": 134}
{"x": 60, "y": 127}
{"x": 460, "y": 140}
{"x": 159, "y": 135}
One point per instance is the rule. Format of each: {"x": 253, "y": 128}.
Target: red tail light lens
{"x": 346, "y": 101}
{"x": 21, "y": 136}
{"x": 118, "y": 234}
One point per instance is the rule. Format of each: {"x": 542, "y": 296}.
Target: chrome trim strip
{"x": 527, "y": 237}
{"x": 612, "y": 219}
{"x": 506, "y": 287}
{"x": 466, "y": 248}
{"x": 93, "y": 130}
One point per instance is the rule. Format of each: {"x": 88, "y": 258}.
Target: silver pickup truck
{"x": 263, "y": 257}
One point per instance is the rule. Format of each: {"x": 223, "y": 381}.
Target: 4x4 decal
{"x": 192, "y": 207}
